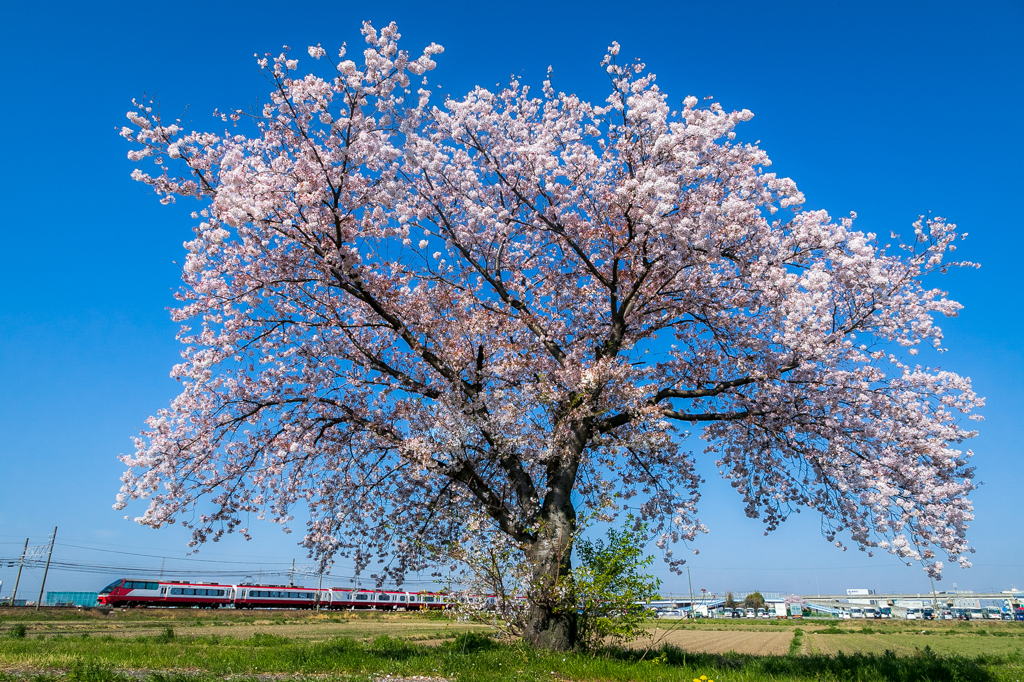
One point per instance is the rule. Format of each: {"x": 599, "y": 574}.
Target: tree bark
{"x": 551, "y": 623}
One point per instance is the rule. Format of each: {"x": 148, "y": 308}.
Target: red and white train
{"x": 132, "y": 593}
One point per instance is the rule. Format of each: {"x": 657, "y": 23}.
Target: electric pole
{"x": 53, "y": 538}
{"x": 691, "y": 590}
{"x": 21, "y": 563}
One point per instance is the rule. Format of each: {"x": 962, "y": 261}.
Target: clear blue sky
{"x": 888, "y": 109}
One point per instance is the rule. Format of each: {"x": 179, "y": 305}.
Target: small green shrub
{"x": 91, "y": 672}
{"x": 266, "y": 639}
{"x": 18, "y": 631}
{"x": 469, "y": 643}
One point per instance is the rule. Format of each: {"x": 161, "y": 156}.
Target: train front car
{"x": 130, "y": 593}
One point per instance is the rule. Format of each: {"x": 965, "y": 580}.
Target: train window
{"x": 401, "y": 597}
{"x": 110, "y": 588}
{"x": 362, "y": 597}
{"x": 175, "y": 590}
{"x": 428, "y": 600}
{"x": 188, "y": 591}
{"x": 383, "y": 597}
{"x": 152, "y": 586}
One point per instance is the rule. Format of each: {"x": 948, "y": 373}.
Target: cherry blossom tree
{"x": 431, "y": 324}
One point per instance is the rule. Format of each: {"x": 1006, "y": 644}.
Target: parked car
{"x": 761, "y": 613}
{"x": 947, "y": 615}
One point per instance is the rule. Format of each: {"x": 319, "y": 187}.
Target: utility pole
{"x": 21, "y": 563}
{"x": 291, "y": 574}
{"x": 691, "y": 590}
{"x": 319, "y": 586}
{"x": 53, "y": 538}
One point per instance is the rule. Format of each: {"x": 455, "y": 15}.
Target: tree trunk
{"x": 552, "y": 618}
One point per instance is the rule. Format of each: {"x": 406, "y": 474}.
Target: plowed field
{"x": 720, "y": 642}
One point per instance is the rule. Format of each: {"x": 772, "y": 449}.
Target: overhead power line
{"x": 173, "y": 558}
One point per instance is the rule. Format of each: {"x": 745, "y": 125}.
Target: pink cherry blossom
{"x": 429, "y": 323}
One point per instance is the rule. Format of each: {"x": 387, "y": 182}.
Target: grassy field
{"x": 196, "y": 646}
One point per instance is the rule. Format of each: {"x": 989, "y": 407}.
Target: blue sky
{"x": 887, "y": 109}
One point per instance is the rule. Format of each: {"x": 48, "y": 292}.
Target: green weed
{"x": 796, "y": 644}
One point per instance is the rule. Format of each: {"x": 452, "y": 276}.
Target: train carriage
{"x": 203, "y": 595}
{"x": 275, "y": 596}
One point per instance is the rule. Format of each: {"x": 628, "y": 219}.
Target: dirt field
{"x": 720, "y": 642}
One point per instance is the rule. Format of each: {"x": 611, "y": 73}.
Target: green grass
{"x": 470, "y": 658}
{"x": 797, "y": 642}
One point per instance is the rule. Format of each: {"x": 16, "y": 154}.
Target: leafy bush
{"x": 609, "y": 585}
{"x": 18, "y": 630}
